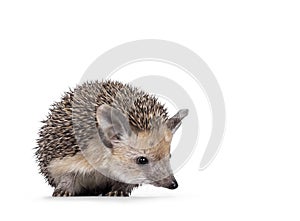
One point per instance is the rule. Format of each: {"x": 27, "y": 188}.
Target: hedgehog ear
{"x": 174, "y": 122}
{"x": 113, "y": 125}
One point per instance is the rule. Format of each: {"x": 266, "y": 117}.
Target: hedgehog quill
{"x": 105, "y": 138}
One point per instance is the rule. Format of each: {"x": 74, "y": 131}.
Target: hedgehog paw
{"x": 117, "y": 193}
{"x": 61, "y": 193}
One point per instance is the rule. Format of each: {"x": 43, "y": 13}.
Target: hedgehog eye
{"x": 141, "y": 160}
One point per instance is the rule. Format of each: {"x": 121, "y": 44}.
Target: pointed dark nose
{"x": 173, "y": 185}
{"x": 168, "y": 182}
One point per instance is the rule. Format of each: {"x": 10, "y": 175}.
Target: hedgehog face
{"x": 138, "y": 157}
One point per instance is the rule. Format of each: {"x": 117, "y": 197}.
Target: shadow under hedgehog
{"x": 106, "y": 138}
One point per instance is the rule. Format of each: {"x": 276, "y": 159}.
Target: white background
{"x": 252, "y": 47}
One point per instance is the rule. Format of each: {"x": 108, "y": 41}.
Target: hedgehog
{"x": 105, "y": 138}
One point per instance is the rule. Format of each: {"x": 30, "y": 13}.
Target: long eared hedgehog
{"x": 106, "y": 138}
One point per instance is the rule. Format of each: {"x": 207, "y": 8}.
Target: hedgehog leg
{"x": 65, "y": 186}
{"x": 121, "y": 189}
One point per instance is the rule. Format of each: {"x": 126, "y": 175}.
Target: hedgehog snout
{"x": 168, "y": 182}
{"x": 173, "y": 185}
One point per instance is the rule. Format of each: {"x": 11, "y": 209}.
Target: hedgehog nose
{"x": 173, "y": 185}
